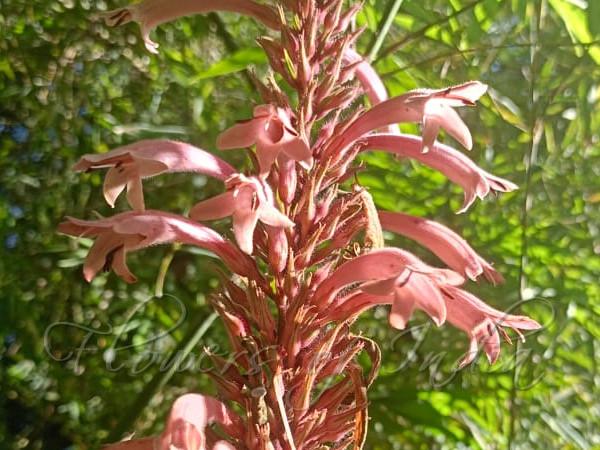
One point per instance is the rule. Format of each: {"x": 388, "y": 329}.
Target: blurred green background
{"x": 81, "y": 364}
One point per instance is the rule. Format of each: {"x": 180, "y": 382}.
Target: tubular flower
{"x": 247, "y": 200}
{"x": 380, "y": 271}
{"x": 190, "y": 415}
{"x": 415, "y": 290}
{"x": 418, "y": 287}
{"x": 151, "y": 13}
{"x": 128, "y": 165}
{"x": 482, "y": 323}
{"x": 475, "y": 181}
{"x": 441, "y": 240}
{"x": 130, "y": 231}
{"x": 270, "y": 129}
{"x": 431, "y": 108}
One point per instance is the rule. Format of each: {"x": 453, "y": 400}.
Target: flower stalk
{"x": 309, "y": 256}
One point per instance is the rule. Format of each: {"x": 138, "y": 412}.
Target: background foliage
{"x": 81, "y": 364}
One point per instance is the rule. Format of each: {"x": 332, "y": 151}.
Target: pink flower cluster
{"x": 302, "y": 247}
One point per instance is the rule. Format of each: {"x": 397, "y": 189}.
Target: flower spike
{"x": 129, "y": 164}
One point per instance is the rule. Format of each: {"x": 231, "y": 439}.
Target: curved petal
{"x": 119, "y": 265}
{"x": 189, "y": 417}
{"x": 430, "y": 132}
{"x": 298, "y": 150}
{"x": 402, "y": 310}
{"x": 154, "y": 156}
{"x": 132, "y": 230}
{"x": 354, "y": 304}
{"x": 439, "y": 113}
{"x": 97, "y": 258}
{"x": 381, "y": 264}
{"x": 480, "y": 321}
{"x": 426, "y": 295}
{"x": 384, "y": 287}
{"x": 115, "y": 181}
{"x": 244, "y": 224}
{"x": 470, "y": 354}
{"x": 135, "y": 194}
{"x": 414, "y": 106}
{"x": 267, "y": 153}
{"x": 217, "y": 207}
{"x": 241, "y": 135}
{"x": 367, "y": 76}
{"x": 445, "y": 243}
{"x": 152, "y": 13}
{"x": 270, "y": 215}
{"x": 470, "y": 91}
{"x": 449, "y": 161}
{"x": 487, "y": 335}
{"x": 388, "y": 112}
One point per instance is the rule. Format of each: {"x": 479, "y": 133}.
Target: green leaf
{"x": 236, "y": 62}
{"x": 577, "y": 25}
{"x": 593, "y": 16}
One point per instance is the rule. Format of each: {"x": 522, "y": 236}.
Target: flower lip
{"x": 270, "y": 129}
{"x": 133, "y": 230}
{"x": 247, "y": 200}
{"x": 433, "y": 108}
{"x": 482, "y": 323}
{"x": 476, "y": 182}
{"x": 129, "y": 164}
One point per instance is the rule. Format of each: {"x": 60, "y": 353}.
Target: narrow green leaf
{"x": 236, "y": 62}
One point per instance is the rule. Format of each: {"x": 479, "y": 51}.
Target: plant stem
{"x": 384, "y": 27}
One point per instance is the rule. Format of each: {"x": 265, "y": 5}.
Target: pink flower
{"x": 247, "y": 200}
{"x": 431, "y": 108}
{"x": 128, "y": 165}
{"x": 386, "y": 271}
{"x": 414, "y": 290}
{"x": 152, "y": 13}
{"x": 445, "y": 243}
{"x": 270, "y": 129}
{"x": 475, "y": 181}
{"x": 184, "y": 430}
{"x": 436, "y": 294}
{"x": 130, "y": 231}
{"x": 482, "y": 323}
